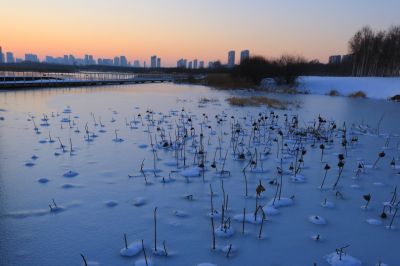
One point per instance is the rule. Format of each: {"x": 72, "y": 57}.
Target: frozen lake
{"x": 100, "y": 192}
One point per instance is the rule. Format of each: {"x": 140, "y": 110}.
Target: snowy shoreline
{"x": 373, "y": 87}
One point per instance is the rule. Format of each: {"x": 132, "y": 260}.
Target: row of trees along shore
{"x": 375, "y": 53}
{"x": 370, "y": 54}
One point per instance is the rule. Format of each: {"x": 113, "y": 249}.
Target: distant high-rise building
{"x": 153, "y": 61}
{"x": 190, "y": 65}
{"x": 123, "y": 61}
{"x": 10, "y": 57}
{"x": 195, "y": 64}
{"x": 158, "y": 62}
{"x": 1, "y": 56}
{"x": 214, "y": 64}
{"x": 136, "y": 63}
{"x": 108, "y": 62}
{"x": 88, "y": 60}
{"x": 80, "y": 61}
{"x": 91, "y": 60}
{"x": 31, "y": 58}
{"x": 201, "y": 64}
{"x": 71, "y": 59}
{"x": 65, "y": 59}
{"x": 116, "y": 61}
{"x": 231, "y": 58}
{"x": 55, "y": 60}
{"x": 347, "y": 58}
{"x": 181, "y": 63}
{"x": 335, "y": 59}
{"x": 244, "y": 55}
{"x": 49, "y": 59}
{"x": 18, "y": 60}
{"x": 144, "y": 64}
{"x": 99, "y": 61}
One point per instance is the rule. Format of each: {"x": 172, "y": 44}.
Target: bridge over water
{"x": 16, "y": 80}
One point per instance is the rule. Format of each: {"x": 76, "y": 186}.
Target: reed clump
{"x": 333, "y": 93}
{"x": 257, "y": 101}
{"x": 358, "y": 94}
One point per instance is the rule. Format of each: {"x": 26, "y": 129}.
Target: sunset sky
{"x": 203, "y": 29}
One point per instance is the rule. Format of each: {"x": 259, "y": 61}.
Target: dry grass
{"x": 395, "y": 98}
{"x": 358, "y": 94}
{"x": 257, "y": 101}
{"x": 333, "y": 93}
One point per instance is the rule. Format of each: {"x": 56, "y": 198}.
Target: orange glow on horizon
{"x": 205, "y": 30}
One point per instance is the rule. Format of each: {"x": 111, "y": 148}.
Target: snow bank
{"x": 374, "y": 87}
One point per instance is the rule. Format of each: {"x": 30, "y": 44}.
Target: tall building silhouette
{"x": 123, "y": 61}
{"x": 244, "y": 55}
{"x": 116, "y": 61}
{"x": 10, "y": 57}
{"x": 1, "y": 56}
{"x": 31, "y": 58}
{"x": 153, "y": 61}
{"x": 231, "y": 58}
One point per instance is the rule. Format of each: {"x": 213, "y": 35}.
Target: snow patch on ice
{"x": 316, "y": 219}
{"x": 132, "y": 250}
{"x": 221, "y": 232}
{"x": 347, "y": 260}
{"x": 373, "y": 221}
{"x": 139, "y": 201}
{"x": 191, "y": 172}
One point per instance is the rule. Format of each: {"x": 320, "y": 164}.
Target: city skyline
{"x": 89, "y": 59}
{"x": 138, "y": 29}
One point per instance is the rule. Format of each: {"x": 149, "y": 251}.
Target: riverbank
{"x": 372, "y": 87}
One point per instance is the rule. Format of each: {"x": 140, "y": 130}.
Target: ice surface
{"x": 142, "y": 262}
{"x": 87, "y": 223}
{"x": 249, "y": 218}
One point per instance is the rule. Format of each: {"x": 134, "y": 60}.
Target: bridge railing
{"x": 28, "y": 76}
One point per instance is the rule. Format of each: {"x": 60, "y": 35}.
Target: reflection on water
{"x": 36, "y": 99}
